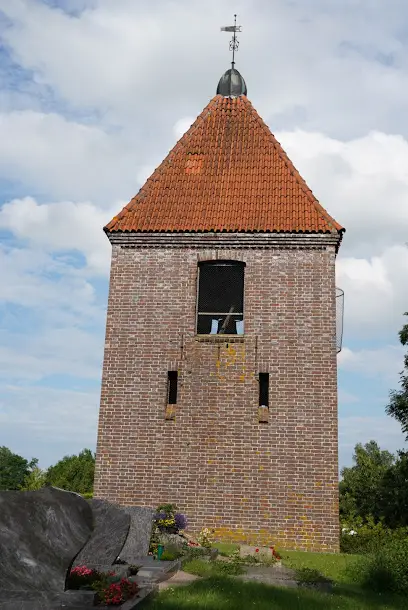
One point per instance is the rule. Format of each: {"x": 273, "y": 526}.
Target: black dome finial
{"x": 232, "y": 83}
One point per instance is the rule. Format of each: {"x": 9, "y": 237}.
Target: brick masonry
{"x": 259, "y": 483}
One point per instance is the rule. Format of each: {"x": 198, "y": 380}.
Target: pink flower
{"x": 82, "y": 571}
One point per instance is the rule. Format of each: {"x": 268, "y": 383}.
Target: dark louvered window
{"x": 220, "y": 302}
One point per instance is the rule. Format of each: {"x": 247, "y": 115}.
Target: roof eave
{"x": 215, "y": 239}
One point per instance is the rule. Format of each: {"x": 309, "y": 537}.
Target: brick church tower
{"x": 219, "y": 388}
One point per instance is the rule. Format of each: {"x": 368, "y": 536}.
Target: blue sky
{"x": 94, "y": 93}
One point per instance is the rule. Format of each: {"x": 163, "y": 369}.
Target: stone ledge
{"x": 220, "y": 338}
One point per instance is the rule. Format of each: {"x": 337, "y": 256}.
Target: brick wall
{"x": 262, "y": 483}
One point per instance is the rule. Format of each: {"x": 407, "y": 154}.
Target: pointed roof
{"x": 227, "y": 173}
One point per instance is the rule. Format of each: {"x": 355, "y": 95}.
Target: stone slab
{"x": 256, "y": 551}
{"x": 179, "y": 579}
{"x": 111, "y": 528}
{"x": 278, "y": 575}
{"x": 46, "y": 600}
{"x": 34, "y": 600}
{"x": 40, "y": 534}
{"x": 140, "y": 531}
{"x": 158, "y": 570}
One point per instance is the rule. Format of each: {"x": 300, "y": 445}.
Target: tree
{"x": 34, "y": 480}
{"x": 394, "y": 493}
{"x": 398, "y": 405}
{"x": 74, "y": 472}
{"x": 14, "y": 469}
{"x": 361, "y": 484}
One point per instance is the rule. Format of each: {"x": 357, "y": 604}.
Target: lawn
{"x": 225, "y": 548}
{"x": 334, "y": 566}
{"x": 226, "y": 593}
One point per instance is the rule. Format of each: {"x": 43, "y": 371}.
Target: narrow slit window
{"x": 264, "y": 389}
{"x": 172, "y": 379}
{"x": 220, "y": 299}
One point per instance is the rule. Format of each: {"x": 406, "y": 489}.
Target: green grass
{"x": 225, "y": 548}
{"x": 225, "y": 593}
{"x": 199, "y": 567}
{"x": 342, "y": 570}
{"x": 333, "y": 566}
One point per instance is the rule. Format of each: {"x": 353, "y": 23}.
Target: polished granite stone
{"x": 45, "y": 600}
{"x": 111, "y": 527}
{"x": 138, "y": 540}
{"x": 40, "y": 534}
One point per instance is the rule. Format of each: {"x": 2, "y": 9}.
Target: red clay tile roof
{"x": 227, "y": 173}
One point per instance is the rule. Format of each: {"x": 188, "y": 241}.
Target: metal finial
{"x": 234, "y": 43}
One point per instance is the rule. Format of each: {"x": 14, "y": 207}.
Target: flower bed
{"x": 170, "y": 542}
{"x": 110, "y": 589}
{"x": 168, "y": 520}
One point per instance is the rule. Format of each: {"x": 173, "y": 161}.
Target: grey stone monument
{"x": 40, "y": 534}
{"x": 111, "y": 527}
{"x": 138, "y": 540}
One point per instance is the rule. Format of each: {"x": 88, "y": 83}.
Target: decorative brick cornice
{"x": 225, "y": 240}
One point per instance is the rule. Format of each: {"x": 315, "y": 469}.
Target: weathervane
{"x": 234, "y": 44}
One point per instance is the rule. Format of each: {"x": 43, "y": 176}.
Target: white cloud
{"x": 182, "y": 125}
{"x": 346, "y": 398}
{"x": 125, "y": 58}
{"x": 362, "y": 182}
{"x": 34, "y": 356}
{"x": 52, "y": 321}
{"x": 43, "y": 422}
{"x": 362, "y": 429}
{"x": 63, "y": 226}
{"x": 382, "y": 362}
{"x": 34, "y": 279}
{"x": 65, "y": 159}
{"x": 118, "y": 53}
{"x": 376, "y": 293}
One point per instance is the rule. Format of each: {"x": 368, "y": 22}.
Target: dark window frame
{"x": 263, "y": 379}
{"x": 172, "y": 387}
{"x": 225, "y": 318}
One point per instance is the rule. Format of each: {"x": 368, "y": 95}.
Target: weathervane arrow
{"x": 231, "y": 28}
{"x": 234, "y": 44}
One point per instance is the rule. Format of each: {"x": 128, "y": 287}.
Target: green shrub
{"x": 195, "y": 552}
{"x": 226, "y": 549}
{"x": 248, "y": 559}
{"x": 366, "y": 537}
{"x": 309, "y": 576}
{"x": 154, "y": 539}
{"x": 227, "y": 568}
{"x": 385, "y": 571}
{"x": 170, "y": 553}
{"x": 198, "y": 567}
